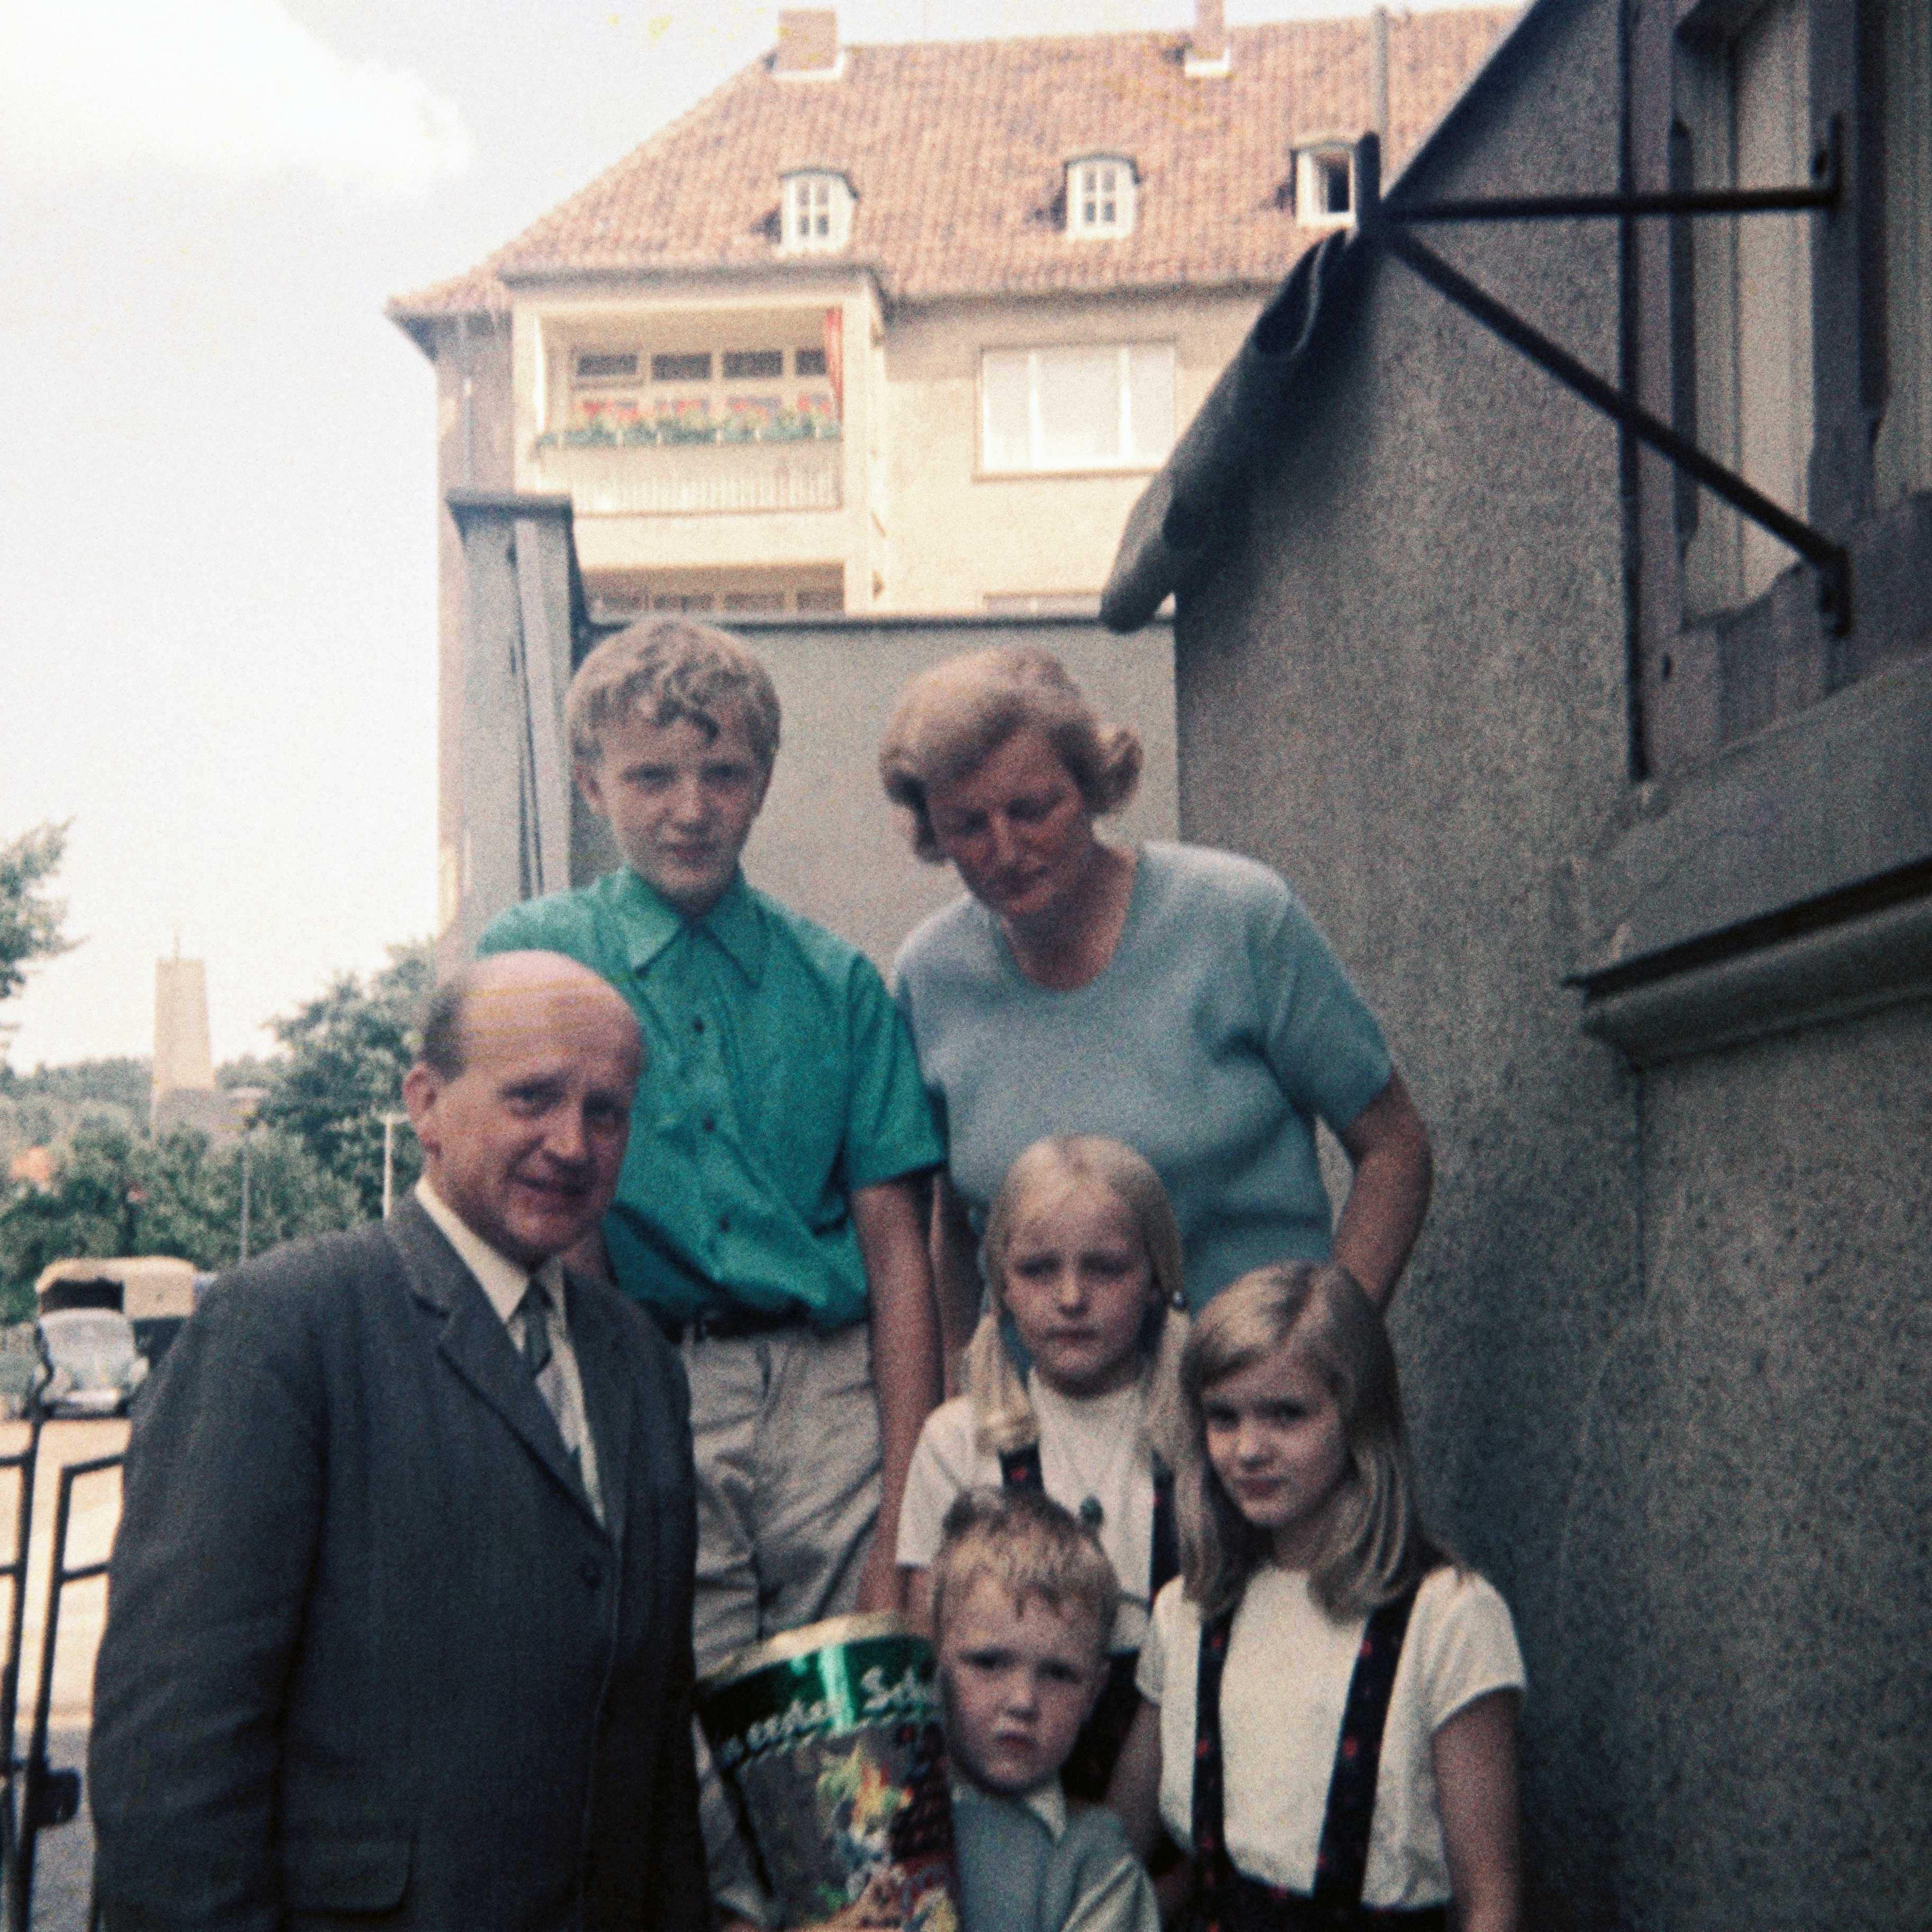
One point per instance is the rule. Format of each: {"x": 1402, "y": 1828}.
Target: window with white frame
{"x": 815, "y": 212}
{"x": 1746, "y": 103}
{"x": 1324, "y": 186}
{"x": 1100, "y": 190}
{"x": 1098, "y": 407}
{"x": 1792, "y": 347}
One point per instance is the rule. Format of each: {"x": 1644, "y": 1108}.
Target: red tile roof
{"x": 956, "y": 151}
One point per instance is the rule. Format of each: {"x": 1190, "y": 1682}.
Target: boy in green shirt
{"x": 771, "y": 1213}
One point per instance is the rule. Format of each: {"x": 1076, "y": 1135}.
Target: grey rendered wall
{"x": 472, "y": 452}
{"x": 1757, "y": 1506}
{"x": 1664, "y": 1340}
{"x": 827, "y": 843}
{"x": 1406, "y": 692}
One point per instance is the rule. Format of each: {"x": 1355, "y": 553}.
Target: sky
{"x": 218, "y": 503}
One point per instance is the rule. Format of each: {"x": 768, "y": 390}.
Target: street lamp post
{"x": 391, "y": 1122}
{"x": 247, "y": 1100}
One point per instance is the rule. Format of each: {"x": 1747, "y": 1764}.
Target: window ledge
{"x": 1139, "y": 466}
{"x": 1788, "y": 883}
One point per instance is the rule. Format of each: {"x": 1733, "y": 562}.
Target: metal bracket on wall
{"x": 1383, "y": 223}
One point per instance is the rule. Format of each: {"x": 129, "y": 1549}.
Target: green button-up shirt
{"x": 782, "y": 1078}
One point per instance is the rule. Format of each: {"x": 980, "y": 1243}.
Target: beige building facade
{"x": 904, "y": 330}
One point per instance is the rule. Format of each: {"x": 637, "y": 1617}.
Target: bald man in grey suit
{"x": 399, "y": 1611}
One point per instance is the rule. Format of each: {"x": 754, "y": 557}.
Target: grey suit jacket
{"x": 370, "y": 1657}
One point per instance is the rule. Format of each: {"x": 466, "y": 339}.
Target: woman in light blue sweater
{"x": 1178, "y": 999}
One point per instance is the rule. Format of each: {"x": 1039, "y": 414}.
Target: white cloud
{"x": 222, "y": 87}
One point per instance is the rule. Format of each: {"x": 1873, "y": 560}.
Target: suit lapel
{"x": 477, "y": 1346}
{"x": 608, "y": 1404}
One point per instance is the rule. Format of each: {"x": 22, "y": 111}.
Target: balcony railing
{"x": 684, "y": 479}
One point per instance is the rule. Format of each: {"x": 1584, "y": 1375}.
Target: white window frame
{"x": 1745, "y": 98}
{"x": 814, "y": 211}
{"x": 1102, "y": 195}
{"x": 1139, "y": 459}
{"x": 1312, "y": 165}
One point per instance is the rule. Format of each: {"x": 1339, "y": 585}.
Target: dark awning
{"x": 1192, "y": 503}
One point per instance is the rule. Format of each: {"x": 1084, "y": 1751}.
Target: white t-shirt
{"x": 1094, "y": 1447}
{"x": 1283, "y": 1689}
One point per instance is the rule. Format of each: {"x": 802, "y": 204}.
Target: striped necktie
{"x": 536, "y": 1335}
{"x": 547, "y": 1371}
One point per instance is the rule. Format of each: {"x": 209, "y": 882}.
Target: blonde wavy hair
{"x": 1002, "y": 1416}
{"x": 663, "y": 669}
{"x": 1376, "y": 1547}
{"x": 952, "y": 718}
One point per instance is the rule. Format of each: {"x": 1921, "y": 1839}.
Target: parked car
{"x": 156, "y": 1293}
{"x": 89, "y": 1365}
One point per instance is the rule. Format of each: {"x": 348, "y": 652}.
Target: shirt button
{"x": 590, "y": 1571}
{"x": 709, "y": 1126}
{"x": 724, "y": 1224}
{"x": 697, "y": 1024}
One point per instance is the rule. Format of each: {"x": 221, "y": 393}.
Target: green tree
{"x": 121, "y": 1081}
{"x": 119, "y": 1193}
{"x": 347, "y": 1051}
{"x": 30, "y": 924}
{"x": 46, "y": 1107}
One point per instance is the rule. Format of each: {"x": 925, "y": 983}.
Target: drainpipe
{"x": 469, "y": 395}
{"x": 1378, "y": 114}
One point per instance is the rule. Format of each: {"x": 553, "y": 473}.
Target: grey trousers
{"x": 786, "y": 1430}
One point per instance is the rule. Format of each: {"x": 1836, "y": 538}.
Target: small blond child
{"x": 1023, "y": 1602}
{"x": 1083, "y": 1260}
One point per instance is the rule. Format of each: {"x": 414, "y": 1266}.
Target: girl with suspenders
{"x": 1330, "y": 1712}
{"x": 1083, "y": 1258}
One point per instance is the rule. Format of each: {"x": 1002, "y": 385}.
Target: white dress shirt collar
{"x": 502, "y": 1280}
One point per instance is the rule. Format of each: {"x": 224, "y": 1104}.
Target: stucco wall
{"x": 919, "y": 530}
{"x": 1749, "y": 1545}
{"x": 955, "y": 536}
{"x": 1664, "y": 1339}
{"x": 473, "y": 451}
{"x": 828, "y": 844}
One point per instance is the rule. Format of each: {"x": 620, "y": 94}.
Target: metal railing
{"x": 682, "y": 479}
{"x": 34, "y": 1796}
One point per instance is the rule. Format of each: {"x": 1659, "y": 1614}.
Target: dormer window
{"x": 1099, "y": 197}
{"x": 1324, "y": 185}
{"x": 815, "y": 211}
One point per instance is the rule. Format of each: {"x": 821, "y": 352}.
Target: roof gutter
{"x": 817, "y": 268}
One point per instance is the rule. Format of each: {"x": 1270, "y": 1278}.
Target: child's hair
{"x": 1031, "y": 1547}
{"x": 1376, "y": 1546}
{"x": 1003, "y": 1417}
{"x": 667, "y": 668}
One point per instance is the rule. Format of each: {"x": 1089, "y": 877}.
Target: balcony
{"x": 694, "y": 478}
{"x": 617, "y": 459}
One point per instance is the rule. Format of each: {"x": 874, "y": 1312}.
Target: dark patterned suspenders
{"x": 1019, "y": 1469}
{"x": 1228, "y": 1900}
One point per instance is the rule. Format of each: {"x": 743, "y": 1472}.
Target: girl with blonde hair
{"x": 1329, "y": 1721}
{"x": 1083, "y": 1263}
